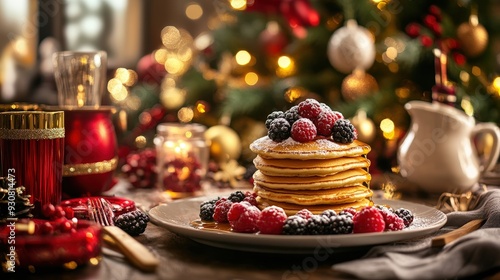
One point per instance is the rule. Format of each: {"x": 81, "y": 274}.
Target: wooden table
{"x": 182, "y": 258}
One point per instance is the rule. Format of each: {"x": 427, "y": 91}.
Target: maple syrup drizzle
{"x": 210, "y": 226}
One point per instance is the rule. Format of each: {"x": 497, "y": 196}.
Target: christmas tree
{"x": 365, "y": 59}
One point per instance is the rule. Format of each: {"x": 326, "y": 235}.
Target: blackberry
{"x": 272, "y": 116}
{"x": 341, "y": 224}
{"x": 329, "y": 213}
{"x": 406, "y": 215}
{"x": 317, "y": 225}
{"x": 279, "y": 130}
{"x": 292, "y": 114}
{"x": 207, "y": 210}
{"x": 343, "y": 131}
{"x": 133, "y": 223}
{"x": 237, "y": 196}
{"x": 294, "y": 225}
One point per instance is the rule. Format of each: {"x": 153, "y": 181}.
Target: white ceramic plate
{"x": 178, "y": 215}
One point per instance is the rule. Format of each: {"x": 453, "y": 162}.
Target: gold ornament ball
{"x": 358, "y": 84}
{"x": 364, "y": 126}
{"x": 225, "y": 144}
{"x": 473, "y": 38}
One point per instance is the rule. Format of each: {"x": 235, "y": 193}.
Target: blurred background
{"x": 229, "y": 63}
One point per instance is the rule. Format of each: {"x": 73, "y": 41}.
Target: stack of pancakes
{"x": 316, "y": 175}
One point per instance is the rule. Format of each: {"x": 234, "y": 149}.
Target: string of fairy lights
{"x": 179, "y": 52}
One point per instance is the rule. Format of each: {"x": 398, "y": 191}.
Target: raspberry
{"x": 341, "y": 224}
{"x": 344, "y": 132}
{"x": 392, "y": 221}
{"x": 279, "y": 130}
{"x": 304, "y": 213}
{"x": 406, "y": 215}
{"x": 329, "y": 213}
{"x": 236, "y": 196}
{"x": 303, "y": 130}
{"x": 347, "y": 211}
{"x": 272, "y": 116}
{"x": 207, "y": 211}
{"x": 271, "y": 220}
{"x": 292, "y": 114}
{"x": 317, "y": 225}
{"x": 295, "y": 225}
{"x": 251, "y": 199}
{"x": 309, "y": 108}
{"x": 368, "y": 219}
{"x": 324, "y": 123}
{"x": 220, "y": 211}
{"x": 243, "y": 216}
{"x": 220, "y": 200}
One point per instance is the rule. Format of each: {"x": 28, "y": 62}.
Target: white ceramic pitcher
{"x": 438, "y": 154}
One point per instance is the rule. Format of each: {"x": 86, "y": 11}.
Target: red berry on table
{"x": 46, "y": 228}
{"x": 309, "y": 108}
{"x": 66, "y": 226}
{"x": 368, "y": 219}
{"x": 59, "y": 213}
{"x": 271, "y": 220}
{"x": 426, "y": 41}
{"x": 243, "y": 216}
{"x": 413, "y": 30}
{"x": 48, "y": 210}
{"x": 220, "y": 211}
{"x": 303, "y": 130}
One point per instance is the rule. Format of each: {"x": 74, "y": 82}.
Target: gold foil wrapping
{"x": 32, "y": 125}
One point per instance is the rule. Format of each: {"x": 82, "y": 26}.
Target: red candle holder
{"x": 32, "y": 150}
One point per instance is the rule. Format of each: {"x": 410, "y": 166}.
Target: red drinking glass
{"x": 32, "y": 152}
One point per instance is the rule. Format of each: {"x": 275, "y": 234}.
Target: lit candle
{"x": 182, "y": 158}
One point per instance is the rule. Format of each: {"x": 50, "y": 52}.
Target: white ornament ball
{"x": 351, "y": 47}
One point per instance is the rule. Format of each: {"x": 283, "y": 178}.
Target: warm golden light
{"x": 496, "y": 84}
{"x": 243, "y": 57}
{"x": 201, "y": 107}
{"x": 140, "y": 141}
{"x": 387, "y": 125}
{"x": 194, "y": 11}
{"x": 185, "y": 114}
{"x": 294, "y": 93}
{"x": 170, "y": 36}
{"x": 251, "y": 78}
{"x": 160, "y": 56}
{"x": 172, "y": 97}
{"x": 174, "y": 66}
{"x": 467, "y": 106}
{"x": 284, "y": 62}
{"x": 238, "y": 4}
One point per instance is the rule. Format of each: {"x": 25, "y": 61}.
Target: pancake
{"x": 292, "y": 209}
{"x": 317, "y": 197}
{"x": 311, "y": 167}
{"x": 318, "y": 149}
{"x": 346, "y": 178}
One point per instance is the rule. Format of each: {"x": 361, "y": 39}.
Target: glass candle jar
{"x": 32, "y": 151}
{"x": 182, "y": 158}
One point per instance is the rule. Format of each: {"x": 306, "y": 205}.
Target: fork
{"x": 100, "y": 211}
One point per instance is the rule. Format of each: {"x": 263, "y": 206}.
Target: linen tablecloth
{"x": 471, "y": 255}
